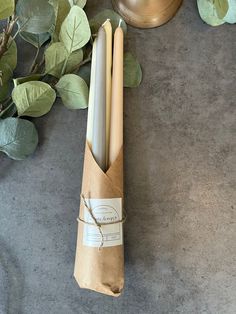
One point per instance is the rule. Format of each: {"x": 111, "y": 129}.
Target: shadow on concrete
{"x": 6, "y": 164}
{"x": 14, "y": 280}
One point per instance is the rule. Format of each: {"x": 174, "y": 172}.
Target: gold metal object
{"x": 146, "y": 13}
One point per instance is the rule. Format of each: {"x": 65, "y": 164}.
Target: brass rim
{"x": 162, "y": 18}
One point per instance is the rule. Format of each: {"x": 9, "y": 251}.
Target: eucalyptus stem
{"x": 39, "y": 65}
{"x": 34, "y": 63}
{"x": 70, "y": 52}
{"x": 6, "y": 101}
{"x": 7, "y": 35}
{"x": 16, "y": 33}
{"x": 64, "y": 66}
{"x": 20, "y": 29}
{"x": 77, "y": 67}
{"x": 9, "y": 106}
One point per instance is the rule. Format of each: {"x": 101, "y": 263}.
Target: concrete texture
{"x": 180, "y": 237}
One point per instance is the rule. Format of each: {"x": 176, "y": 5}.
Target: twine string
{"x": 98, "y": 224}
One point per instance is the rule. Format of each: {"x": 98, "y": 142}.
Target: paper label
{"x": 105, "y": 211}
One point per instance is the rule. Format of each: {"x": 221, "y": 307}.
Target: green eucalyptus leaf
{"x": 35, "y": 16}
{"x": 18, "y": 138}
{"x": 85, "y": 72}
{"x": 132, "y": 71}
{"x": 55, "y": 57}
{"x": 75, "y": 30}
{"x": 33, "y": 99}
{"x": 23, "y": 79}
{"x": 231, "y": 14}
{"x": 10, "y": 56}
{"x": 73, "y": 91}
{"x": 6, "y": 8}
{"x": 101, "y": 17}
{"x": 8, "y": 63}
{"x": 4, "y": 91}
{"x": 37, "y": 40}
{"x": 208, "y": 12}
{"x": 80, "y": 3}
{"x": 222, "y": 7}
{"x": 61, "y": 10}
{"x": 5, "y": 72}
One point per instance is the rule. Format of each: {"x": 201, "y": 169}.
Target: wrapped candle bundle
{"x": 99, "y": 263}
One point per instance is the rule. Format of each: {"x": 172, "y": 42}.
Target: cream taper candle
{"x": 116, "y": 127}
{"x": 108, "y": 29}
{"x": 99, "y": 117}
{"x": 89, "y": 135}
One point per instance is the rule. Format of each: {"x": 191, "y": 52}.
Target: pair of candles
{"x": 105, "y": 110}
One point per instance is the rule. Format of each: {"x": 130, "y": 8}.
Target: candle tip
{"x": 107, "y": 20}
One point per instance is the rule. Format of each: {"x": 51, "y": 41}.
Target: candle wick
{"x": 120, "y": 21}
{"x": 107, "y": 20}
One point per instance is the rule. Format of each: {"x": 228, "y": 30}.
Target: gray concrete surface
{"x": 180, "y": 185}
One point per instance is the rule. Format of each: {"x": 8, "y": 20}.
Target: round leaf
{"x": 222, "y": 7}
{"x": 18, "y": 138}
{"x": 35, "y": 16}
{"x": 73, "y": 91}
{"x": 101, "y": 17}
{"x": 33, "y": 99}
{"x": 80, "y": 3}
{"x": 6, "y": 8}
{"x": 37, "y": 40}
{"x": 23, "y": 79}
{"x": 10, "y": 56}
{"x": 4, "y": 91}
{"x": 231, "y": 14}
{"x": 208, "y": 12}
{"x": 8, "y": 63}
{"x": 61, "y": 10}
{"x": 55, "y": 57}
{"x": 132, "y": 71}
{"x": 5, "y": 72}
{"x": 75, "y": 30}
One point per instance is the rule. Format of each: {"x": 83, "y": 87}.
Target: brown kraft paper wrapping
{"x": 100, "y": 269}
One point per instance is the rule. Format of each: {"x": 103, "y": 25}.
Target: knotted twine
{"x": 99, "y": 224}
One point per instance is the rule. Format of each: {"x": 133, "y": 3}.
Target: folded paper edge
{"x": 108, "y": 173}
{"x": 98, "y": 289}
{"x": 88, "y": 148}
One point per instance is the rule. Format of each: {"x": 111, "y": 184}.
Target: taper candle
{"x": 116, "y": 129}
{"x": 99, "y": 117}
{"x": 89, "y": 135}
{"x": 108, "y": 29}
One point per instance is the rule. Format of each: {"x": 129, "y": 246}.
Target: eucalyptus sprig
{"x": 217, "y": 12}
{"x": 62, "y": 37}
